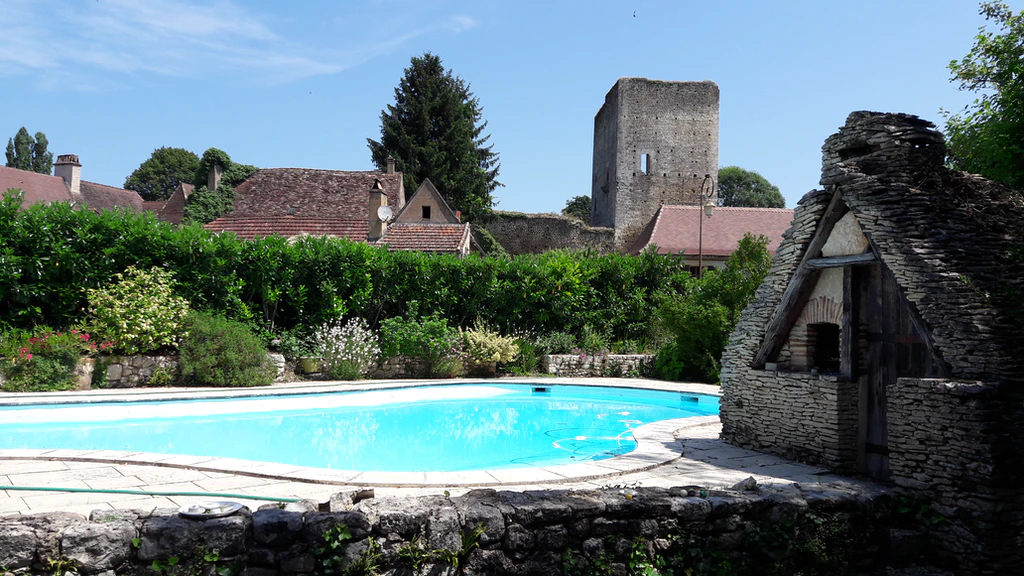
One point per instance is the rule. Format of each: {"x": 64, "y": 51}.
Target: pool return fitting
{"x": 147, "y": 493}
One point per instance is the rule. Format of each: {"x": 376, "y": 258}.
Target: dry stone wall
{"x": 811, "y": 418}
{"x": 483, "y": 532}
{"x": 536, "y": 233}
{"x": 584, "y": 365}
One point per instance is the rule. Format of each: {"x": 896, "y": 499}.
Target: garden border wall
{"x": 519, "y": 532}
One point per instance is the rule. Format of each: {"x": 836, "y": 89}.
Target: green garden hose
{"x": 147, "y": 493}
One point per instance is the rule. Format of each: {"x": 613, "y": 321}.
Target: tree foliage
{"x": 434, "y": 130}
{"x": 702, "y": 317}
{"x": 739, "y": 187}
{"x": 205, "y": 205}
{"x": 27, "y": 153}
{"x": 159, "y": 176}
{"x": 987, "y": 137}
{"x": 578, "y": 207}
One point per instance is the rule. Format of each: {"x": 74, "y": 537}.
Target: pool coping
{"x": 657, "y": 442}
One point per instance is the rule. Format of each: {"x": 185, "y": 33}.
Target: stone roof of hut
{"x": 946, "y": 236}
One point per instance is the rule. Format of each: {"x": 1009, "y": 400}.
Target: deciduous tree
{"x": 159, "y": 176}
{"x": 987, "y": 137}
{"x": 434, "y": 130}
{"x": 27, "y": 153}
{"x": 578, "y": 207}
{"x": 739, "y": 187}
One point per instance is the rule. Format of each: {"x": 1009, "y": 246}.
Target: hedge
{"x": 50, "y": 255}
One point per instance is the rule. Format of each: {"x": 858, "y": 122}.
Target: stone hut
{"x": 886, "y": 340}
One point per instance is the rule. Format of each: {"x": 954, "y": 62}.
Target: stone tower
{"x": 654, "y": 141}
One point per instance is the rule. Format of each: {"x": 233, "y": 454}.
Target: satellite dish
{"x": 384, "y": 213}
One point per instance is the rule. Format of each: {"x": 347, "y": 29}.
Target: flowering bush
{"x": 44, "y": 362}
{"x": 347, "y": 352}
{"x": 485, "y": 345}
{"x": 139, "y": 312}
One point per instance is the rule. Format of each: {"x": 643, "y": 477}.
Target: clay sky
{"x": 302, "y": 84}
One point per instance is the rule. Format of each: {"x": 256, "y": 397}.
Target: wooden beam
{"x": 840, "y": 261}
{"x": 848, "y": 333}
{"x": 800, "y": 285}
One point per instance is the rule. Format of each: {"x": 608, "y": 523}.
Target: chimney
{"x": 377, "y": 199}
{"x": 391, "y": 165}
{"x": 213, "y": 178}
{"x": 68, "y": 168}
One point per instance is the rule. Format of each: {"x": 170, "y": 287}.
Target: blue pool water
{"x": 436, "y": 428}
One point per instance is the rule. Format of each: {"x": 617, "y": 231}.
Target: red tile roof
{"x": 308, "y": 193}
{"x": 173, "y": 209}
{"x": 38, "y": 188}
{"x": 288, "y": 226}
{"x": 448, "y": 238}
{"x": 103, "y": 197}
{"x": 675, "y": 229}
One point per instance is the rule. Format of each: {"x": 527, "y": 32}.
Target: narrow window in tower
{"x": 645, "y": 163}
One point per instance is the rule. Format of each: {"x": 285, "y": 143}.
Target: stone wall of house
{"x": 943, "y": 446}
{"x": 535, "y": 233}
{"x": 484, "y": 532}
{"x": 584, "y": 365}
{"x": 811, "y": 418}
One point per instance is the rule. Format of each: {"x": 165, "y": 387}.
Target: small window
{"x": 645, "y": 163}
{"x": 426, "y": 212}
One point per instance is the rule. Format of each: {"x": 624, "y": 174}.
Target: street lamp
{"x": 709, "y": 209}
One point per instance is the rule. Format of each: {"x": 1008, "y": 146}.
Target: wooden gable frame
{"x": 805, "y": 278}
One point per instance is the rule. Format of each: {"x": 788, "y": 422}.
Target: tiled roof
{"x": 675, "y": 229}
{"x": 173, "y": 209}
{"x": 103, "y": 197}
{"x": 288, "y": 226}
{"x": 44, "y": 189}
{"x": 308, "y": 193}
{"x": 38, "y": 188}
{"x": 448, "y": 238}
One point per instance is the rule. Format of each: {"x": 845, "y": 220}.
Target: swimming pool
{"x": 434, "y": 428}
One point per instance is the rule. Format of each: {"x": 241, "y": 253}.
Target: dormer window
{"x": 426, "y": 212}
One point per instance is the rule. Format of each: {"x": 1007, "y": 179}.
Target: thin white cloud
{"x": 191, "y": 38}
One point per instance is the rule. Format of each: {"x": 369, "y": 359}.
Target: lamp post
{"x": 709, "y": 209}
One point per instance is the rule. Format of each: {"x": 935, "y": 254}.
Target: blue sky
{"x": 302, "y": 84}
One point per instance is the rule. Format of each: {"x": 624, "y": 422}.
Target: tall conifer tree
{"x": 434, "y": 130}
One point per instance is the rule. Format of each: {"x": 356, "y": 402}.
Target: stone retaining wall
{"x": 483, "y": 532}
{"x": 584, "y": 365}
{"x": 131, "y": 371}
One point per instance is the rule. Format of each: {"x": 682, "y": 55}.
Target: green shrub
{"x": 527, "y": 360}
{"x": 347, "y": 352}
{"x": 222, "y": 352}
{"x": 594, "y": 341}
{"x": 701, "y": 319}
{"x": 294, "y": 344}
{"x": 556, "y": 343}
{"x": 429, "y": 342}
{"x": 140, "y": 312}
